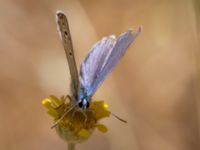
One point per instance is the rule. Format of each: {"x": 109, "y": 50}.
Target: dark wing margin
{"x": 63, "y": 28}
{"x": 111, "y": 57}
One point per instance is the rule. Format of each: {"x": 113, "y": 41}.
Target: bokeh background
{"x": 155, "y": 87}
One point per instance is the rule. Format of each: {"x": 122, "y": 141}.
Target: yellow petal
{"x": 62, "y": 99}
{"x": 55, "y": 101}
{"x": 84, "y": 133}
{"x": 53, "y": 113}
{"x": 105, "y": 106}
{"x": 102, "y": 128}
{"x": 47, "y": 103}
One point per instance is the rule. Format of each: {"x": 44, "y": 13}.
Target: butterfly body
{"x": 102, "y": 58}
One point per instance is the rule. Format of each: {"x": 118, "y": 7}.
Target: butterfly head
{"x": 84, "y": 103}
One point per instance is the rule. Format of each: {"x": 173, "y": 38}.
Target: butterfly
{"x": 100, "y": 61}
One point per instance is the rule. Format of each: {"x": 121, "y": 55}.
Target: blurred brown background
{"x": 155, "y": 87}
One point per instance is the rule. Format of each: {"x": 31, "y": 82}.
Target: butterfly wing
{"x": 64, "y": 32}
{"x": 91, "y": 66}
{"x": 110, "y": 57}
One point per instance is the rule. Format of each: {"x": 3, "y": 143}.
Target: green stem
{"x": 71, "y": 146}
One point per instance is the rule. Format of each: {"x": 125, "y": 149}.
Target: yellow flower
{"x": 77, "y": 125}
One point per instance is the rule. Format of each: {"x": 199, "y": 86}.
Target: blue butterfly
{"x": 102, "y": 58}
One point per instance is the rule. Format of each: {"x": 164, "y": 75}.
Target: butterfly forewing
{"x": 63, "y": 28}
{"x": 110, "y": 55}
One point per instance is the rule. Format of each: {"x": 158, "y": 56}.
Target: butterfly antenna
{"x": 63, "y": 115}
{"x": 120, "y": 119}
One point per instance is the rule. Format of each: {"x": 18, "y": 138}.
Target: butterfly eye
{"x": 80, "y": 104}
{"x": 88, "y": 104}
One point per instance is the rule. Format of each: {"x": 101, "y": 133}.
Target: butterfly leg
{"x": 63, "y": 115}
{"x": 92, "y": 111}
{"x": 86, "y": 118}
{"x": 82, "y": 112}
{"x": 66, "y": 111}
{"x": 68, "y": 97}
{"x": 64, "y": 101}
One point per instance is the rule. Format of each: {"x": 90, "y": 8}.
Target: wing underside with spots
{"x": 64, "y": 32}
